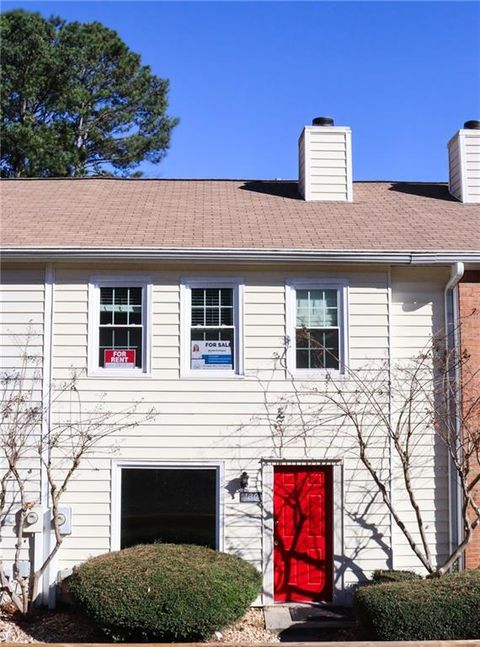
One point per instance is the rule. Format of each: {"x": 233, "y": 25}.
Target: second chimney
{"x": 464, "y": 163}
{"x": 325, "y": 162}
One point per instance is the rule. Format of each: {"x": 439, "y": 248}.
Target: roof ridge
{"x": 203, "y": 179}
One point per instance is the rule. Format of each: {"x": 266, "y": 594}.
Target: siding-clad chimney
{"x": 325, "y": 161}
{"x": 464, "y": 163}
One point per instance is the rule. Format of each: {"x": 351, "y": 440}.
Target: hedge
{"x": 383, "y": 577}
{"x": 443, "y": 608}
{"x": 166, "y": 592}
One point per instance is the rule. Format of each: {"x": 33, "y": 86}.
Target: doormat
{"x": 317, "y": 614}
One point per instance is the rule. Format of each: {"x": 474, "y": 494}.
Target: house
{"x": 190, "y": 296}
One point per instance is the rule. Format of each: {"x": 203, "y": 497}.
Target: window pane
{"x": 227, "y": 296}
{"x": 120, "y": 296}
{"x": 125, "y": 304}
{"x": 122, "y": 339}
{"x": 198, "y": 316}
{"x": 198, "y": 297}
{"x": 135, "y": 316}
{"x": 106, "y": 296}
{"x": 120, "y": 318}
{"x": 217, "y": 356}
{"x": 332, "y": 349}
{"x": 168, "y": 505}
{"x": 227, "y": 316}
{"x": 317, "y": 308}
{"x": 106, "y": 317}
{"x": 135, "y": 296}
{"x": 212, "y": 317}
{"x": 120, "y": 308}
{"x": 302, "y": 359}
{"x": 212, "y": 297}
{"x": 317, "y": 348}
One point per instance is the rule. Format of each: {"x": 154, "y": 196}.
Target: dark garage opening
{"x": 171, "y": 505}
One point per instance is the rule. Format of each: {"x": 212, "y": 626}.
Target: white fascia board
{"x": 253, "y": 255}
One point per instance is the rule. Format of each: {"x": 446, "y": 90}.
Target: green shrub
{"x": 444, "y": 608}
{"x": 164, "y": 591}
{"x": 382, "y": 577}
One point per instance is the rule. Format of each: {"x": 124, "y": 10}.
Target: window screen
{"x": 121, "y": 327}
{"x": 317, "y": 329}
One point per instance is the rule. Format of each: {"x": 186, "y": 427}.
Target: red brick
{"x": 469, "y": 301}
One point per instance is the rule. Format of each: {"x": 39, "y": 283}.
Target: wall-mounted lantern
{"x": 244, "y": 480}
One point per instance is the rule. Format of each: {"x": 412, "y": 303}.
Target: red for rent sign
{"x": 114, "y": 358}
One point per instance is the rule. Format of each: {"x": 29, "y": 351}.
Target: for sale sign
{"x": 116, "y": 358}
{"x": 212, "y": 355}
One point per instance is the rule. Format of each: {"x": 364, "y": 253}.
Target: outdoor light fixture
{"x": 243, "y": 480}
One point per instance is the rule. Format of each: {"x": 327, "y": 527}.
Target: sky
{"x": 245, "y": 77}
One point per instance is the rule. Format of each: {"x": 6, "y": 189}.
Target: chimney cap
{"x": 323, "y": 121}
{"x": 472, "y": 124}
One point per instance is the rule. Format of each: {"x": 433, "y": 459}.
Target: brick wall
{"x": 469, "y": 300}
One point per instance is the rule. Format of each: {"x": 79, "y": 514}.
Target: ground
{"x": 65, "y": 626}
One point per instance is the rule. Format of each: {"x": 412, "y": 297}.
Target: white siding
{"x": 229, "y": 422}
{"x": 325, "y": 163}
{"x": 464, "y": 165}
{"x": 301, "y": 164}
{"x": 455, "y": 168}
{"x": 213, "y": 420}
{"x": 472, "y": 164}
{"x": 417, "y": 313}
{"x": 21, "y": 330}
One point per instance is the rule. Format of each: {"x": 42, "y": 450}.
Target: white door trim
{"x": 116, "y": 493}
{"x": 268, "y": 525}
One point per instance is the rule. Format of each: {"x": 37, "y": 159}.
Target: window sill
{"x": 119, "y": 374}
{"x": 211, "y": 375}
{"x": 317, "y": 375}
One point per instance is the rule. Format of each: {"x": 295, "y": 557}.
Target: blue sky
{"x": 247, "y": 76}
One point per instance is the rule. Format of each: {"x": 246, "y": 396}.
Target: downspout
{"x": 453, "y": 344}
{"x": 47, "y": 407}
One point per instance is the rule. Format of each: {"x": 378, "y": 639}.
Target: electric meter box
{"x": 34, "y": 520}
{"x": 65, "y": 520}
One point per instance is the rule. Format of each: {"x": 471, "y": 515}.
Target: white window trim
{"x": 116, "y": 504}
{"x": 291, "y": 287}
{"x": 125, "y": 280}
{"x": 186, "y": 285}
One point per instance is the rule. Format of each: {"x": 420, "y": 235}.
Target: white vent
{"x": 325, "y": 163}
{"x": 464, "y": 165}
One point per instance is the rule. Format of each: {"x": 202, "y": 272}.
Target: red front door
{"x": 302, "y": 558}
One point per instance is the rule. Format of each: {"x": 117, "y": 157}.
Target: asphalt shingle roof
{"x": 96, "y": 212}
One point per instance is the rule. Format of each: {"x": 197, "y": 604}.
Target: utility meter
{"x": 33, "y": 521}
{"x": 65, "y": 521}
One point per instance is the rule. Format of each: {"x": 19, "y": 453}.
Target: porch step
{"x": 307, "y": 617}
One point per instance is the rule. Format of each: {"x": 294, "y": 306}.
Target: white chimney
{"x": 325, "y": 162}
{"x": 464, "y": 163}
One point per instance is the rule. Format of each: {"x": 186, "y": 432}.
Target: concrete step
{"x": 280, "y": 617}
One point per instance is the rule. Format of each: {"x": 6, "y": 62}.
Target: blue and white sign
{"x": 212, "y": 355}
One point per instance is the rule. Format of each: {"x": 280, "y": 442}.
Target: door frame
{"x": 116, "y": 495}
{"x": 337, "y": 574}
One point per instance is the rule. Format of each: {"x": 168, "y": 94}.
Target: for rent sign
{"x": 116, "y": 358}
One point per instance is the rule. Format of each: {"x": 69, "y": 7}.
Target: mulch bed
{"x": 66, "y": 626}
{"x": 46, "y": 626}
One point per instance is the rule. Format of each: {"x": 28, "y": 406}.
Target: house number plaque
{"x": 250, "y": 497}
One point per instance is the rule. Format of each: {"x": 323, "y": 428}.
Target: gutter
{"x": 453, "y": 344}
{"x": 247, "y": 255}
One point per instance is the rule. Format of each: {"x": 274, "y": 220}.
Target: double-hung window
{"x": 118, "y": 326}
{"x": 212, "y": 327}
{"x": 317, "y": 326}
